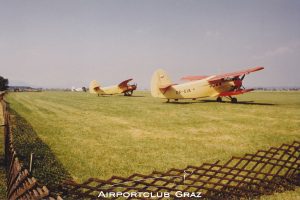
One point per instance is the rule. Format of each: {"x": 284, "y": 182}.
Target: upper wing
{"x": 193, "y": 78}
{"x": 234, "y": 74}
{"x": 124, "y": 83}
{"x": 222, "y": 76}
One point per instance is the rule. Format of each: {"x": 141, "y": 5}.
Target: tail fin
{"x": 94, "y": 87}
{"x": 160, "y": 80}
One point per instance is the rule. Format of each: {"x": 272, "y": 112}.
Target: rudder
{"x": 94, "y": 87}
{"x": 160, "y": 79}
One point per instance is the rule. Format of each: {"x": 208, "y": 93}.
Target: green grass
{"x": 46, "y": 167}
{"x": 103, "y": 136}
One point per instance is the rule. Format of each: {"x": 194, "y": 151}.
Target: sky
{"x": 65, "y": 43}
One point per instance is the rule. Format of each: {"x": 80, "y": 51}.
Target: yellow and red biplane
{"x": 223, "y": 85}
{"x": 123, "y": 87}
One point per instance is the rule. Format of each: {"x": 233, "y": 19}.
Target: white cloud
{"x": 290, "y": 48}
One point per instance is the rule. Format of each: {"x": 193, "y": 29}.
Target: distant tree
{"x": 3, "y": 83}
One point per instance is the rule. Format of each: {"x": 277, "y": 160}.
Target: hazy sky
{"x": 67, "y": 43}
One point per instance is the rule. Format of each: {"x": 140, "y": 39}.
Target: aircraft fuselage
{"x": 197, "y": 89}
{"x": 115, "y": 89}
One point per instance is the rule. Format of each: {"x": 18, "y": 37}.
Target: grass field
{"x": 94, "y": 136}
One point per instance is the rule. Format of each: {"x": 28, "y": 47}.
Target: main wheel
{"x": 233, "y": 100}
{"x": 219, "y": 99}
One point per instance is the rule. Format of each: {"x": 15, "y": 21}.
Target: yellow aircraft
{"x": 123, "y": 87}
{"x": 224, "y": 85}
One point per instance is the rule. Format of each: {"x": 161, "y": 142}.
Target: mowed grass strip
{"x": 115, "y": 135}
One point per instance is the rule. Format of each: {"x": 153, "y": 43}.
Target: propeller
{"x": 243, "y": 77}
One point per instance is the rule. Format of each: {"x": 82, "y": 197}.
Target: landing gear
{"x": 128, "y": 93}
{"x": 233, "y": 100}
{"x": 168, "y": 100}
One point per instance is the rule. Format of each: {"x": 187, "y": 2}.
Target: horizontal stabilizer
{"x": 165, "y": 88}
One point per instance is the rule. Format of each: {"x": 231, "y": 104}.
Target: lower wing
{"x": 232, "y": 93}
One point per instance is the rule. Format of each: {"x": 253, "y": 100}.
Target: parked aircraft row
{"x": 225, "y": 85}
{"x": 81, "y": 89}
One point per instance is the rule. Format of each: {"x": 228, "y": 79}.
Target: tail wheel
{"x": 233, "y": 100}
{"x": 219, "y": 99}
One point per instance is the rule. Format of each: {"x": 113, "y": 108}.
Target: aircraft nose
{"x": 238, "y": 83}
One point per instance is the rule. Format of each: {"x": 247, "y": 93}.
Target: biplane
{"x": 123, "y": 87}
{"x": 224, "y": 85}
